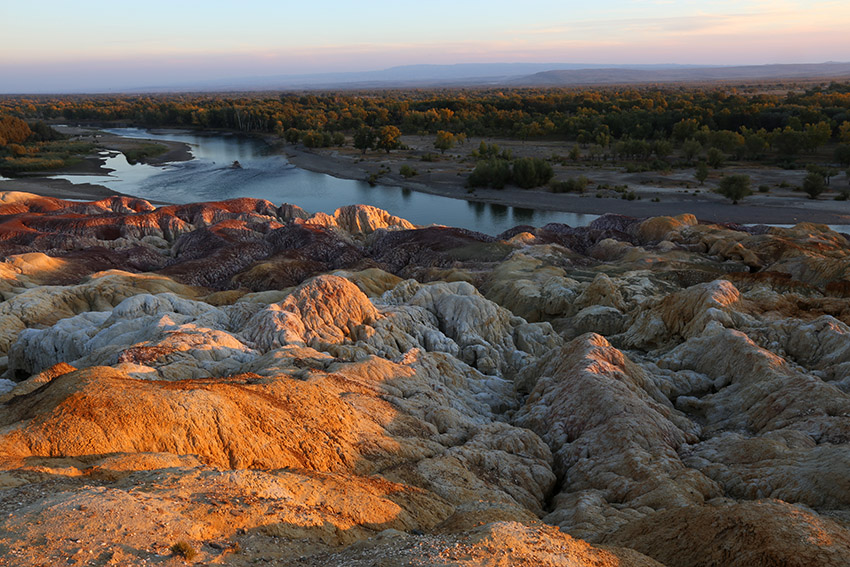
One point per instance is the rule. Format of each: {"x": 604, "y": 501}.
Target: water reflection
{"x": 478, "y": 208}
{"x": 498, "y": 211}
{"x": 523, "y": 216}
{"x": 209, "y": 177}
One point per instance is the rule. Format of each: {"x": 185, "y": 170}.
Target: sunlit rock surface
{"x": 272, "y": 387}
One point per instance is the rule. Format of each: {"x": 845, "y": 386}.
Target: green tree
{"x": 823, "y": 171}
{"x": 715, "y": 158}
{"x": 735, "y": 187}
{"x": 844, "y": 132}
{"x": 445, "y": 140}
{"x": 493, "y": 172}
{"x": 389, "y": 138}
{"x": 662, "y": 148}
{"x": 789, "y": 141}
{"x": 685, "y": 129}
{"x": 814, "y": 184}
{"x": 41, "y": 132}
{"x": 726, "y": 141}
{"x": 817, "y": 135}
{"x": 842, "y": 154}
{"x": 701, "y": 172}
{"x": 596, "y": 152}
{"x": 292, "y": 135}
{"x": 756, "y": 145}
{"x": 313, "y": 139}
{"x": 691, "y": 149}
{"x": 531, "y": 172}
{"x": 364, "y": 139}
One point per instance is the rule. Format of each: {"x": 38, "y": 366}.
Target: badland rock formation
{"x": 273, "y": 387}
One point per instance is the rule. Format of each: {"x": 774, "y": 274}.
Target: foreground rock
{"x": 271, "y": 387}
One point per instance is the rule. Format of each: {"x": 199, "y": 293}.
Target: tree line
{"x": 645, "y": 125}
{"x": 724, "y": 117}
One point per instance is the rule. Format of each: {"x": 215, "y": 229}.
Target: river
{"x": 264, "y": 175}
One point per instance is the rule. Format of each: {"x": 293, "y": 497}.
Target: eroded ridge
{"x": 268, "y": 386}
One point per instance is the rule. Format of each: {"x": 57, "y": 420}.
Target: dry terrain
{"x": 242, "y": 383}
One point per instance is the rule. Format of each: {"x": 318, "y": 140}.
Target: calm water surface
{"x": 209, "y": 177}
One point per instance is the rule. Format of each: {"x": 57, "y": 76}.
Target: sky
{"x": 91, "y": 46}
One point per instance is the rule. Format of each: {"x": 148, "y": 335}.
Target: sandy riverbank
{"x": 59, "y": 188}
{"x": 175, "y": 151}
{"x": 659, "y": 194}
{"x": 93, "y": 164}
{"x": 676, "y": 192}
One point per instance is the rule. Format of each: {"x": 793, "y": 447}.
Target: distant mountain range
{"x": 624, "y": 75}
{"x": 513, "y": 74}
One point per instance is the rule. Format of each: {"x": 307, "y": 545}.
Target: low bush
{"x": 572, "y": 185}
{"x": 494, "y": 172}
{"x": 184, "y": 549}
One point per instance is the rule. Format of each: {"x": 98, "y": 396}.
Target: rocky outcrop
{"x": 334, "y": 389}
{"x": 739, "y": 534}
{"x": 589, "y": 399}
{"x": 359, "y": 221}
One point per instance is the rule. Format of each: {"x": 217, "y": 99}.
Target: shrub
{"x": 137, "y": 154}
{"x": 23, "y": 164}
{"x": 574, "y": 184}
{"x": 184, "y": 549}
{"x": 701, "y": 172}
{"x": 406, "y": 171}
{"x": 764, "y": 188}
{"x": 493, "y": 173}
{"x": 492, "y": 151}
{"x": 735, "y": 187}
{"x": 814, "y": 184}
{"x": 715, "y": 158}
{"x": 531, "y": 172}
{"x": 315, "y": 139}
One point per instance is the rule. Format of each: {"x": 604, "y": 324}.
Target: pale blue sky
{"x": 124, "y": 44}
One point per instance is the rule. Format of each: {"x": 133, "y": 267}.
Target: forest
{"x": 649, "y": 128}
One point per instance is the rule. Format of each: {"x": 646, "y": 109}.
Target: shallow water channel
{"x": 210, "y": 177}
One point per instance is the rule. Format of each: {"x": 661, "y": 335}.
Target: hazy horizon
{"x": 88, "y": 46}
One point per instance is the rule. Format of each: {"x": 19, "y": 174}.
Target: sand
{"x": 58, "y": 188}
